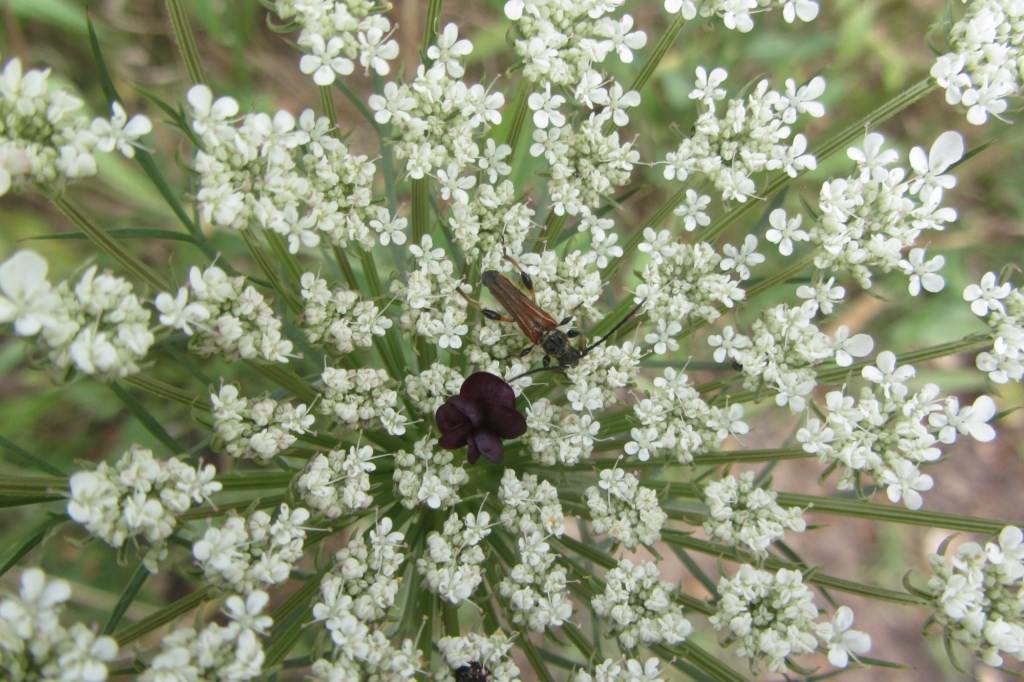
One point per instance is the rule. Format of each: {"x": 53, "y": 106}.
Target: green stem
{"x": 634, "y": 241}
{"x": 689, "y": 653}
{"x": 420, "y": 209}
{"x": 288, "y": 621}
{"x": 430, "y": 28}
{"x": 286, "y": 379}
{"x": 287, "y": 259}
{"x": 892, "y": 514}
{"x": 186, "y": 42}
{"x": 270, "y": 272}
{"x": 29, "y": 487}
{"x": 165, "y": 391}
{"x": 108, "y": 244}
{"x": 328, "y": 109}
{"x": 518, "y": 120}
{"x": 658, "y": 53}
{"x": 346, "y": 269}
{"x": 166, "y": 615}
{"x": 552, "y": 229}
{"x": 682, "y": 539}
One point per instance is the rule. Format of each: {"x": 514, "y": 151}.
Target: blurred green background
{"x": 868, "y": 52}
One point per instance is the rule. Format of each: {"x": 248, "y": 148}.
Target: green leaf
{"x": 148, "y": 421}
{"x": 121, "y": 233}
{"x": 106, "y": 82}
{"x": 131, "y": 590}
{"x": 35, "y": 535}
{"x": 167, "y": 614}
{"x": 28, "y": 458}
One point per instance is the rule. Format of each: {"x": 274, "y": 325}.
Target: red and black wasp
{"x": 536, "y": 323}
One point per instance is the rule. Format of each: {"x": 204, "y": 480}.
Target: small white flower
{"x": 450, "y": 50}
{"x": 26, "y": 297}
{"x": 687, "y": 8}
{"x": 706, "y": 88}
{"x": 923, "y": 273}
{"x": 886, "y": 374}
{"x": 784, "y": 231}
{"x": 119, "y": 132}
{"x": 849, "y": 347}
{"x": 841, "y": 640}
{"x": 987, "y": 295}
{"x": 325, "y": 59}
{"x": 904, "y": 482}
{"x": 947, "y": 149}
{"x": 804, "y": 10}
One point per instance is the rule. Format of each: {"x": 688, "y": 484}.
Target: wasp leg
{"x": 487, "y": 312}
{"x": 524, "y": 276}
{"x": 526, "y": 351}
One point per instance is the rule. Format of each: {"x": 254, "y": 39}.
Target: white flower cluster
{"x": 473, "y": 652}
{"x": 431, "y": 308}
{"x": 429, "y": 389}
{"x": 290, "y": 176}
{"x": 451, "y": 561}
{"x": 359, "y": 591}
{"x": 977, "y": 596}
{"x": 890, "y": 432}
{"x": 685, "y": 281}
{"x": 45, "y": 140}
{"x": 639, "y": 606}
{"x": 258, "y": 429}
{"x": 598, "y": 376}
{"x": 493, "y": 220}
{"x": 561, "y": 41}
{"x": 587, "y": 163}
{"x": 536, "y": 586}
{"x": 255, "y": 552}
{"x": 436, "y": 117}
{"x": 338, "y": 318}
{"x": 337, "y": 33}
{"x": 782, "y": 350}
{"x": 772, "y": 617}
{"x": 339, "y": 482}
{"x": 1002, "y": 307}
{"x": 370, "y": 655}
{"x": 625, "y": 510}
{"x": 34, "y": 645}
{"x": 556, "y": 435}
{"x": 741, "y": 514}
{"x": 360, "y": 398}
{"x": 986, "y": 59}
{"x": 866, "y": 220}
{"x": 226, "y": 653}
{"x": 626, "y": 670}
{"x": 139, "y": 498}
{"x": 365, "y": 579}
{"x": 225, "y": 317}
{"x": 427, "y": 476}
{"x": 739, "y": 15}
{"x": 751, "y": 137}
{"x": 676, "y": 422}
{"x": 96, "y": 327}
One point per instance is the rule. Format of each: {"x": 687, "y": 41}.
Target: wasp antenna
{"x": 536, "y": 370}
{"x": 616, "y": 328}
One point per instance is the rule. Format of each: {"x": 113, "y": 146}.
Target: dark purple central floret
{"x": 481, "y": 416}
